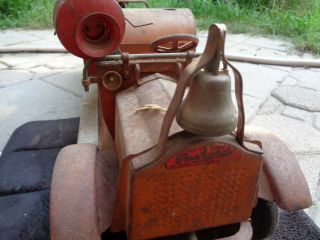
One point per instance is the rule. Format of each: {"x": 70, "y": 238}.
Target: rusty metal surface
{"x": 137, "y": 66}
{"x": 82, "y": 193}
{"x": 175, "y": 43}
{"x": 135, "y": 71}
{"x": 287, "y": 182}
{"x": 144, "y": 26}
{"x": 264, "y": 190}
{"x": 212, "y": 56}
{"x": 112, "y": 80}
{"x": 137, "y": 130}
{"x": 185, "y": 182}
{"x": 89, "y": 29}
{"x": 170, "y": 181}
{"x": 157, "y": 197}
{"x": 133, "y": 124}
{"x": 141, "y": 125}
{"x": 171, "y": 199}
{"x": 153, "y": 56}
{"x": 106, "y": 179}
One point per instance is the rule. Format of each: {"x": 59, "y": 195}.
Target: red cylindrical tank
{"x": 146, "y": 25}
{"x": 89, "y": 29}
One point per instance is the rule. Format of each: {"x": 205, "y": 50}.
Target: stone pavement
{"x": 282, "y": 99}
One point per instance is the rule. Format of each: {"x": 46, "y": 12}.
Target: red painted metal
{"x": 82, "y": 192}
{"x": 282, "y": 171}
{"x": 144, "y": 26}
{"x": 138, "y": 102}
{"x": 175, "y": 43}
{"x": 89, "y": 29}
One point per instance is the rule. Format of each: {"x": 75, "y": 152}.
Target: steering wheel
{"x": 175, "y": 43}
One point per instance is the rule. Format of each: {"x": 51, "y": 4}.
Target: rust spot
{"x": 145, "y": 210}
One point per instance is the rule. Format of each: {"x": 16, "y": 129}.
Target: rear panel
{"x": 204, "y": 186}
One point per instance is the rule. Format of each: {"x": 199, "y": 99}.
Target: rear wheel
{"x": 264, "y": 219}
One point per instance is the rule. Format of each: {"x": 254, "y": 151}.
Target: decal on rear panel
{"x": 204, "y": 154}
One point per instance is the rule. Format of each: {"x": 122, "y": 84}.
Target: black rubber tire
{"x": 264, "y": 220}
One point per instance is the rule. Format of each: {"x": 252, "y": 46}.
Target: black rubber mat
{"x": 43, "y": 135}
{"x": 25, "y": 174}
{"x": 26, "y": 166}
{"x": 24, "y": 216}
{"x": 26, "y": 171}
{"x": 296, "y": 226}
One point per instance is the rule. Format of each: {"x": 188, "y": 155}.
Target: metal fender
{"x": 282, "y": 180}
{"x": 82, "y": 193}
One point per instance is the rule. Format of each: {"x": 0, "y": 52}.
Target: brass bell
{"x": 208, "y": 109}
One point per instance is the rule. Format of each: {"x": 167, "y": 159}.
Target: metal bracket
{"x": 137, "y": 72}
{"x": 126, "y": 65}
{"x": 89, "y": 80}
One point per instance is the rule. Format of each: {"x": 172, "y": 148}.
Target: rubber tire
{"x": 264, "y": 220}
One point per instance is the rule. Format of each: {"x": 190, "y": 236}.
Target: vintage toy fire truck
{"x": 181, "y": 162}
{"x": 172, "y": 158}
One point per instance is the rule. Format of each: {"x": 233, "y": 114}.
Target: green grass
{"x": 298, "y": 20}
{"x": 26, "y": 13}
